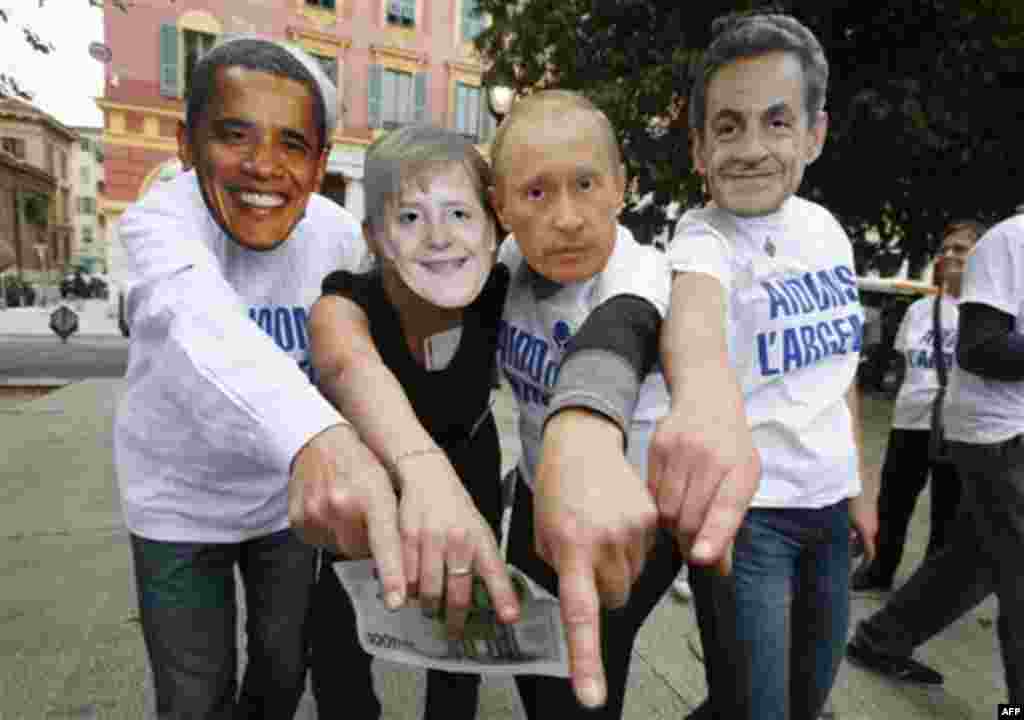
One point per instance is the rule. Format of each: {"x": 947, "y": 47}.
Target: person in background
{"x": 765, "y": 316}
{"x": 907, "y": 464}
{"x": 985, "y": 427}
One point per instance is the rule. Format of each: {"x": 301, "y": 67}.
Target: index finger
{"x": 869, "y": 544}
{"x": 725, "y": 514}
{"x": 494, "y": 573}
{"x": 386, "y": 543}
{"x": 581, "y": 615}
{"x": 655, "y": 465}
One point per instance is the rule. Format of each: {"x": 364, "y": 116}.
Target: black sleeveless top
{"x": 450, "y": 402}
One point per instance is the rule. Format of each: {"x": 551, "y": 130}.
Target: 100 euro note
{"x": 533, "y": 646}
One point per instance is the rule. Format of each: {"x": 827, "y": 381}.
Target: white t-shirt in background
{"x": 218, "y": 398}
{"x": 913, "y": 408}
{"x": 534, "y": 332}
{"x": 795, "y": 329}
{"x": 981, "y": 410}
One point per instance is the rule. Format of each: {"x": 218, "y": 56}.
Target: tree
{"x": 10, "y": 86}
{"x": 923, "y": 102}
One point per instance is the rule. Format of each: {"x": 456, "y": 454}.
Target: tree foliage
{"x": 924, "y": 99}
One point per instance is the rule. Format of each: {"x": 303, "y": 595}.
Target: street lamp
{"x": 500, "y": 99}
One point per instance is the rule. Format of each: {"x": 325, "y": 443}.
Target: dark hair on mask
{"x": 744, "y": 35}
{"x": 255, "y": 54}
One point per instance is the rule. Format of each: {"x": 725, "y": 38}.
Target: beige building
{"x": 36, "y": 215}
{"x": 88, "y": 244}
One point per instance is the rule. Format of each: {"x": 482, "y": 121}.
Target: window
{"x": 87, "y": 236}
{"x": 329, "y": 65}
{"x": 196, "y": 45}
{"x": 467, "y": 109}
{"x": 86, "y": 206}
{"x": 86, "y": 145}
{"x": 86, "y": 175}
{"x": 51, "y": 161}
{"x": 402, "y": 12}
{"x": 182, "y": 43}
{"x": 325, "y": 4}
{"x": 65, "y": 206}
{"x": 396, "y": 98}
{"x": 63, "y": 165}
{"x": 472, "y": 116}
{"x": 472, "y": 20}
{"x": 15, "y": 146}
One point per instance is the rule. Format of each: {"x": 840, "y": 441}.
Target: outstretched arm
{"x": 594, "y": 518}
{"x": 439, "y": 523}
{"x": 190, "y": 330}
{"x": 704, "y": 468}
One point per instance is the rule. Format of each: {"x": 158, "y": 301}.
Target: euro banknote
{"x": 535, "y": 645}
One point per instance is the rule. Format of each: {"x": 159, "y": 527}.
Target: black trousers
{"x": 341, "y": 669}
{"x": 904, "y": 473}
{"x": 981, "y": 558}
{"x": 548, "y": 697}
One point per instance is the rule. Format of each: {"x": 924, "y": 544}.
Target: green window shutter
{"x": 409, "y": 12}
{"x": 461, "y": 121}
{"x": 471, "y": 20}
{"x": 169, "y": 61}
{"x": 486, "y": 118}
{"x": 375, "y": 96}
{"x": 421, "y": 98}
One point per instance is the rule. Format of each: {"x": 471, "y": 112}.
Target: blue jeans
{"x": 791, "y": 573}
{"x": 188, "y": 609}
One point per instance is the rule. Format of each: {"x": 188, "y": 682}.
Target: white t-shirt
{"x": 218, "y": 399}
{"x": 534, "y": 332}
{"x": 795, "y": 327}
{"x": 981, "y": 410}
{"x": 913, "y": 409}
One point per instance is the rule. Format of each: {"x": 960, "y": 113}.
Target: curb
{"x": 29, "y": 383}
{"x": 37, "y": 336}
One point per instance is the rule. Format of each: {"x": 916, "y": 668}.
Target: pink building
{"x": 394, "y": 62}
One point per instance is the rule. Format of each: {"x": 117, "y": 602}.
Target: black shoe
{"x": 865, "y": 579}
{"x": 904, "y": 669}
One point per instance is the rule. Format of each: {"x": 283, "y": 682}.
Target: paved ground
{"x": 70, "y": 646}
{"x": 26, "y": 360}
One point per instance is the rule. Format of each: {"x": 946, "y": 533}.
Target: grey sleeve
{"x": 608, "y": 359}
